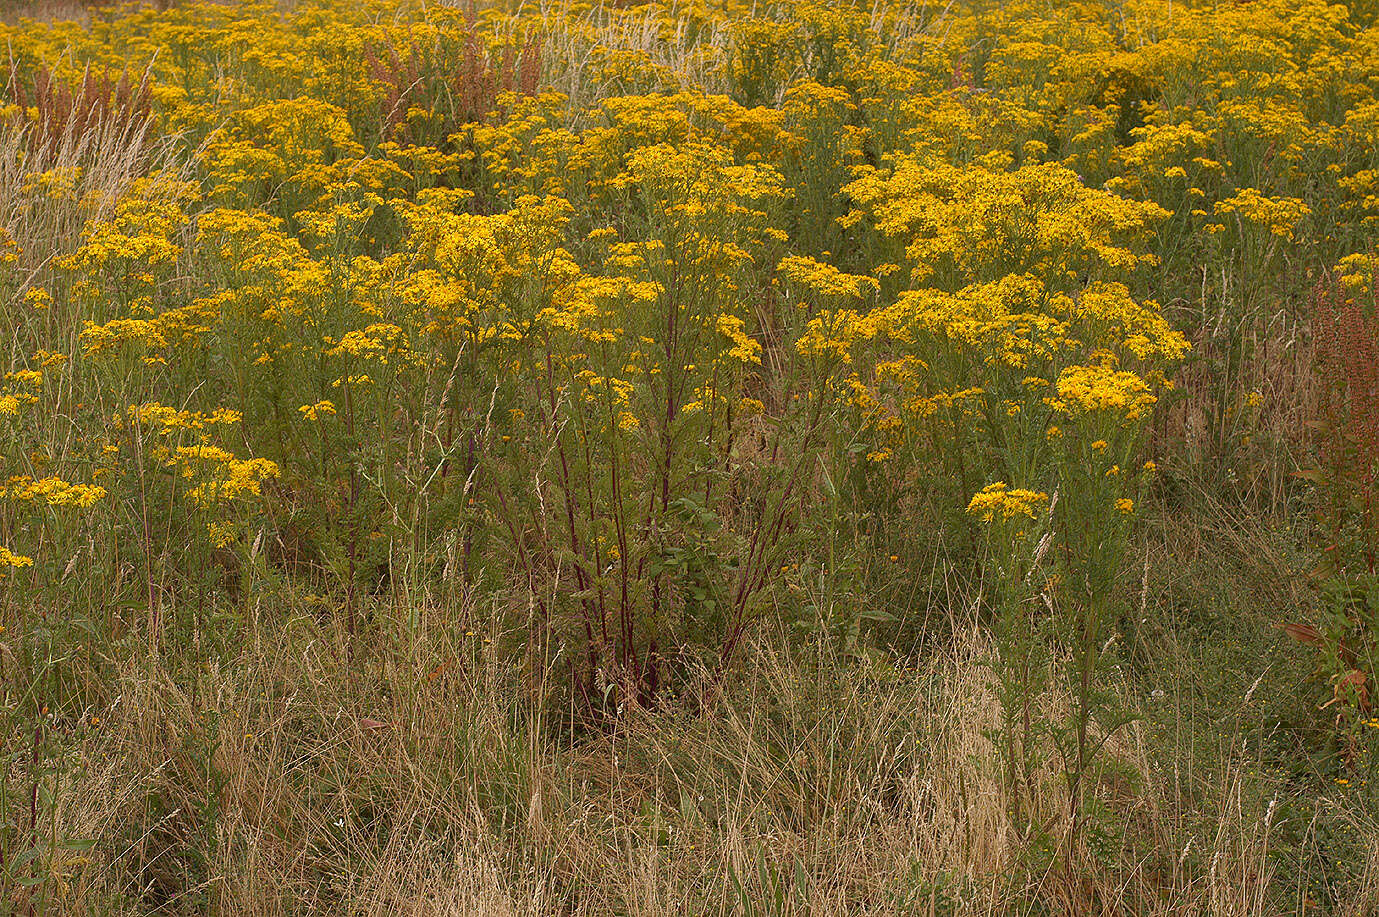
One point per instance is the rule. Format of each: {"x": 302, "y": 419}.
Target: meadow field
{"x": 699, "y": 458}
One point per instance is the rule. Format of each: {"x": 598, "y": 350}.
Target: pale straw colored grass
{"x": 812, "y": 787}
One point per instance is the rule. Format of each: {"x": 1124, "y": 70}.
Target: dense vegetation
{"x": 785, "y": 458}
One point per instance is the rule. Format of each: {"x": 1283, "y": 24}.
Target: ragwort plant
{"x": 344, "y": 325}
{"x": 1020, "y": 356}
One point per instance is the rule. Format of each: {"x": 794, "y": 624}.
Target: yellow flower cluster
{"x": 220, "y": 477}
{"x": 12, "y": 560}
{"x": 166, "y": 420}
{"x": 19, "y": 389}
{"x": 51, "y": 491}
{"x": 998, "y": 501}
{"x": 1102, "y": 389}
{"x": 1279, "y": 215}
{"x": 823, "y": 281}
{"x": 318, "y": 410}
{"x": 963, "y": 224}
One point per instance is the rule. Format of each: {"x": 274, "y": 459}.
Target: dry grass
{"x": 288, "y": 782}
{"x": 46, "y": 10}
